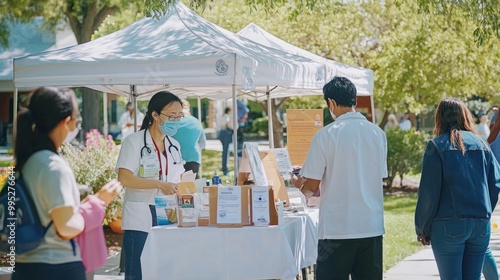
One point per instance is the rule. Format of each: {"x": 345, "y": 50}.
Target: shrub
{"x": 405, "y": 152}
{"x": 94, "y": 166}
{"x": 260, "y": 126}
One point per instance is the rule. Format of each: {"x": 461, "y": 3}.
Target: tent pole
{"x": 270, "y": 118}
{"x": 134, "y": 103}
{"x": 105, "y": 113}
{"x": 235, "y": 134}
{"x": 14, "y": 117}
{"x": 372, "y": 104}
{"x": 200, "y": 171}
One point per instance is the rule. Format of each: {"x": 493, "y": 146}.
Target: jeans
{"x": 360, "y": 258}
{"x": 133, "y": 243}
{"x": 459, "y": 246}
{"x": 490, "y": 270}
{"x": 45, "y": 271}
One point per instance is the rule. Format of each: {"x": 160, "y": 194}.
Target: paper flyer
{"x": 229, "y": 205}
{"x": 260, "y": 206}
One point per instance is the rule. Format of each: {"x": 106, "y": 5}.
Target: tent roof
{"x": 361, "y": 77}
{"x": 179, "y": 51}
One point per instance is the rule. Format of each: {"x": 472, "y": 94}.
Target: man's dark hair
{"x": 341, "y": 90}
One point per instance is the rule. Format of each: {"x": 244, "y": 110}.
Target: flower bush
{"x": 94, "y": 166}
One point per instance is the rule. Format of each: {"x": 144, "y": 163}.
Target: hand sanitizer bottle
{"x": 215, "y": 179}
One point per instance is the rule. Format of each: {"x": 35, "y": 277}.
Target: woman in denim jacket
{"x": 457, "y": 194}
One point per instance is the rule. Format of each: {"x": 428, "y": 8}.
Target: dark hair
{"x": 156, "y": 104}
{"x": 453, "y": 116}
{"x": 129, "y": 104}
{"x": 227, "y": 110}
{"x": 47, "y": 107}
{"x": 341, "y": 90}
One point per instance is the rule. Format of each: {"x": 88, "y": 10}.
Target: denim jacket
{"x": 456, "y": 185}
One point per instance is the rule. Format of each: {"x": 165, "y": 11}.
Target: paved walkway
{"x": 422, "y": 265}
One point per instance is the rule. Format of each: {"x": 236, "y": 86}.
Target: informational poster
{"x": 302, "y": 124}
{"x": 283, "y": 162}
{"x": 229, "y": 205}
{"x": 258, "y": 173}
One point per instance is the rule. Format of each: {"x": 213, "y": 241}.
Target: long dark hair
{"x": 47, "y": 107}
{"x": 453, "y": 116}
{"x": 156, "y": 104}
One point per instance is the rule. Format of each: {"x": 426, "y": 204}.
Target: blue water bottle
{"x": 215, "y": 179}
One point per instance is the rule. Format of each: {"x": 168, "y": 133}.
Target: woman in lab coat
{"x": 150, "y": 164}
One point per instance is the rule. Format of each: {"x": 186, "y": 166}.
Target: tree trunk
{"x": 277, "y": 121}
{"x": 277, "y": 129}
{"x": 384, "y": 119}
{"x": 83, "y": 28}
{"x": 91, "y": 114}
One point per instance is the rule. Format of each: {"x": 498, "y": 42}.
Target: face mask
{"x": 169, "y": 128}
{"x": 71, "y": 135}
{"x": 332, "y": 114}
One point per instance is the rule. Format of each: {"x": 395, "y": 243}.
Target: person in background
{"x": 483, "y": 128}
{"x": 126, "y": 122}
{"x": 405, "y": 123}
{"x": 242, "y": 111}
{"x": 149, "y": 164}
{"x": 348, "y": 158}
{"x": 192, "y": 139}
{"x": 392, "y": 123}
{"x": 226, "y": 138}
{"x": 457, "y": 194}
{"x": 490, "y": 270}
{"x": 50, "y": 118}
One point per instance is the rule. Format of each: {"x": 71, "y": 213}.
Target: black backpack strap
{"x": 72, "y": 241}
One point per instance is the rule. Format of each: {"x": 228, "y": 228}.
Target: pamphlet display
{"x": 166, "y": 209}
{"x": 251, "y": 151}
{"x": 186, "y": 211}
{"x": 260, "y": 206}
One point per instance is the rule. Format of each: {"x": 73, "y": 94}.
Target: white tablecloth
{"x": 275, "y": 252}
{"x": 308, "y": 254}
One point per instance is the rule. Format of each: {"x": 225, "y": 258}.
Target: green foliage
{"x": 399, "y": 239}
{"x": 478, "y": 107}
{"x": 484, "y": 14}
{"x": 261, "y": 126}
{"x": 94, "y": 166}
{"x": 405, "y": 150}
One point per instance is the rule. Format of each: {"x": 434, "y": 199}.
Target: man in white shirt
{"x": 126, "y": 122}
{"x": 348, "y": 158}
{"x": 405, "y": 123}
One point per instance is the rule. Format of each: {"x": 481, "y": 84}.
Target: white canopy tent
{"x": 361, "y": 77}
{"x": 181, "y": 52}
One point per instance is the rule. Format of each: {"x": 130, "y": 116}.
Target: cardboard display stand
{"x": 270, "y": 170}
{"x": 245, "y": 207}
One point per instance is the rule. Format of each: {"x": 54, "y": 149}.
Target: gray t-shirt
{"x": 51, "y": 184}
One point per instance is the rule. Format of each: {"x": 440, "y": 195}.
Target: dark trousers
{"x": 339, "y": 258}
{"x": 133, "y": 244}
{"x": 45, "y": 271}
{"x": 194, "y": 166}
{"x": 239, "y": 134}
{"x": 225, "y": 137}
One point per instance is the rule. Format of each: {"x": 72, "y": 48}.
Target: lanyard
{"x": 159, "y": 159}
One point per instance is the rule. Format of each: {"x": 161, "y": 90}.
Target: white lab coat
{"x": 136, "y": 214}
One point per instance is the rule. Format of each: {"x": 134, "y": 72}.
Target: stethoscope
{"x": 170, "y": 147}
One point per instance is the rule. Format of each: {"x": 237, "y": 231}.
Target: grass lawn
{"x": 400, "y": 240}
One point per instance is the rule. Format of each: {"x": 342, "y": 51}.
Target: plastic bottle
{"x": 215, "y": 179}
